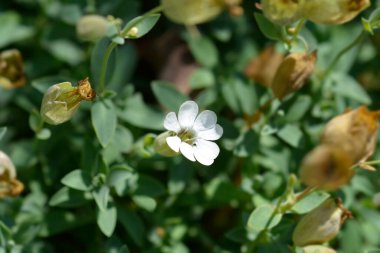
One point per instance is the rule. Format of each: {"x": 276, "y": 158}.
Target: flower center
{"x": 187, "y": 136}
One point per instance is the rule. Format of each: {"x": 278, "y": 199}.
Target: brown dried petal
{"x": 326, "y": 167}
{"x": 263, "y": 68}
{"x": 355, "y": 132}
{"x": 11, "y": 69}
{"x": 293, "y": 72}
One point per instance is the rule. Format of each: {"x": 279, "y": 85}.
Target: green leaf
{"x": 11, "y": 29}
{"x": 119, "y": 174}
{"x": 132, "y": 224}
{"x": 298, "y": 109}
{"x": 66, "y": 51}
{"x": 139, "y": 114}
{"x": 269, "y": 29}
{"x": 179, "y": 175}
{"x": 44, "y": 83}
{"x": 78, "y": 180}
{"x": 147, "y": 203}
{"x": 3, "y": 130}
{"x": 149, "y": 186}
{"x": 67, "y": 197}
{"x": 101, "y": 196}
{"x": 202, "y": 78}
{"x": 104, "y": 121}
{"x": 347, "y": 86}
{"x": 43, "y": 134}
{"x": 106, "y": 219}
{"x": 139, "y": 26}
{"x": 167, "y": 95}
{"x": 291, "y": 134}
{"x": 204, "y": 51}
{"x": 262, "y": 218}
{"x": 310, "y": 202}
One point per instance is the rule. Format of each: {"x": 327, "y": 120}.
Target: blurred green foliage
{"x": 94, "y": 184}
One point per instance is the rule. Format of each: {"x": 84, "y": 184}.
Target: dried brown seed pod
{"x": 293, "y": 72}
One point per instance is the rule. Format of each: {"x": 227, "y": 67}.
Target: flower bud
{"x": 61, "y": 101}
{"x": 191, "y": 12}
{"x": 326, "y": 167}
{"x": 332, "y": 11}
{"x": 262, "y": 68}
{"x": 161, "y": 146}
{"x": 9, "y": 185}
{"x": 317, "y": 249}
{"x": 92, "y": 27}
{"x": 355, "y": 132}
{"x": 11, "y": 69}
{"x": 292, "y": 73}
{"x": 282, "y": 12}
{"x": 320, "y": 225}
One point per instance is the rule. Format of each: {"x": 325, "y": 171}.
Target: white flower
{"x": 192, "y": 134}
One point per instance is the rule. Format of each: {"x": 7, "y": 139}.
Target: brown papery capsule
{"x": 326, "y": 167}
{"x": 320, "y": 225}
{"x": 332, "y": 11}
{"x": 11, "y": 69}
{"x": 355, "y": 132}
{"x": 262, "y": 68}
{"x": 293, "y": 72}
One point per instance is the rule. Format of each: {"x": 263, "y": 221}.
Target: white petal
{"x": 205, "y": 120}
{"x": 187, "y": 114}
{"x": 171, "y": 122}
{"x": 174, "y": 142}
{"x": 211, "y": 134}
{"x": 187, "y": 151}
{"x": 201, "y": 158}
{"x": 207, "y": 149}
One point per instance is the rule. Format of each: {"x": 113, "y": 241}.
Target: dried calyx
{"x": 322, "y": 224}
{"x": 9, "y": 185}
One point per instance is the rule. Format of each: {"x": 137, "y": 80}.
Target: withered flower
{"x": 293, "y": 72}
{"x": 263, "y": 68}
{"x": 322, "y": 224}
{"x": 326, "y": 167}
{"x": 332, "y": 11}
{"x": 9, "y": 185}
{"x": 11, "y": 69}
{"x": 282, "y": 12}
{"x": 62, "y": 100}
{"x": 355, "y": 132}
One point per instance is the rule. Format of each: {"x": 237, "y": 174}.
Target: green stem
{"x": 111, "y": 47}
{"x": 103, "y": 70}
{"x": 343, "y": 51}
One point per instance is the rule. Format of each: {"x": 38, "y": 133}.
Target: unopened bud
{"x": 61, "y": 100}
{"x": 317, "y": 249}
{"x": 92, "y": 27}
{"x": 11, "y": 69}
{"x": 191, "y": 12}
{"x": 161, "y": 146}
{"x": 133, "y": 32}
{"x": 332, "y": 11}
{"x": 293, "y": 72}
{"x": 9, "y": 185}
{"x": 355, "y": 132}
{"x": 326, "y": 167}
{"x": 282, "y": 12}
{"x": 320, "y": 225}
